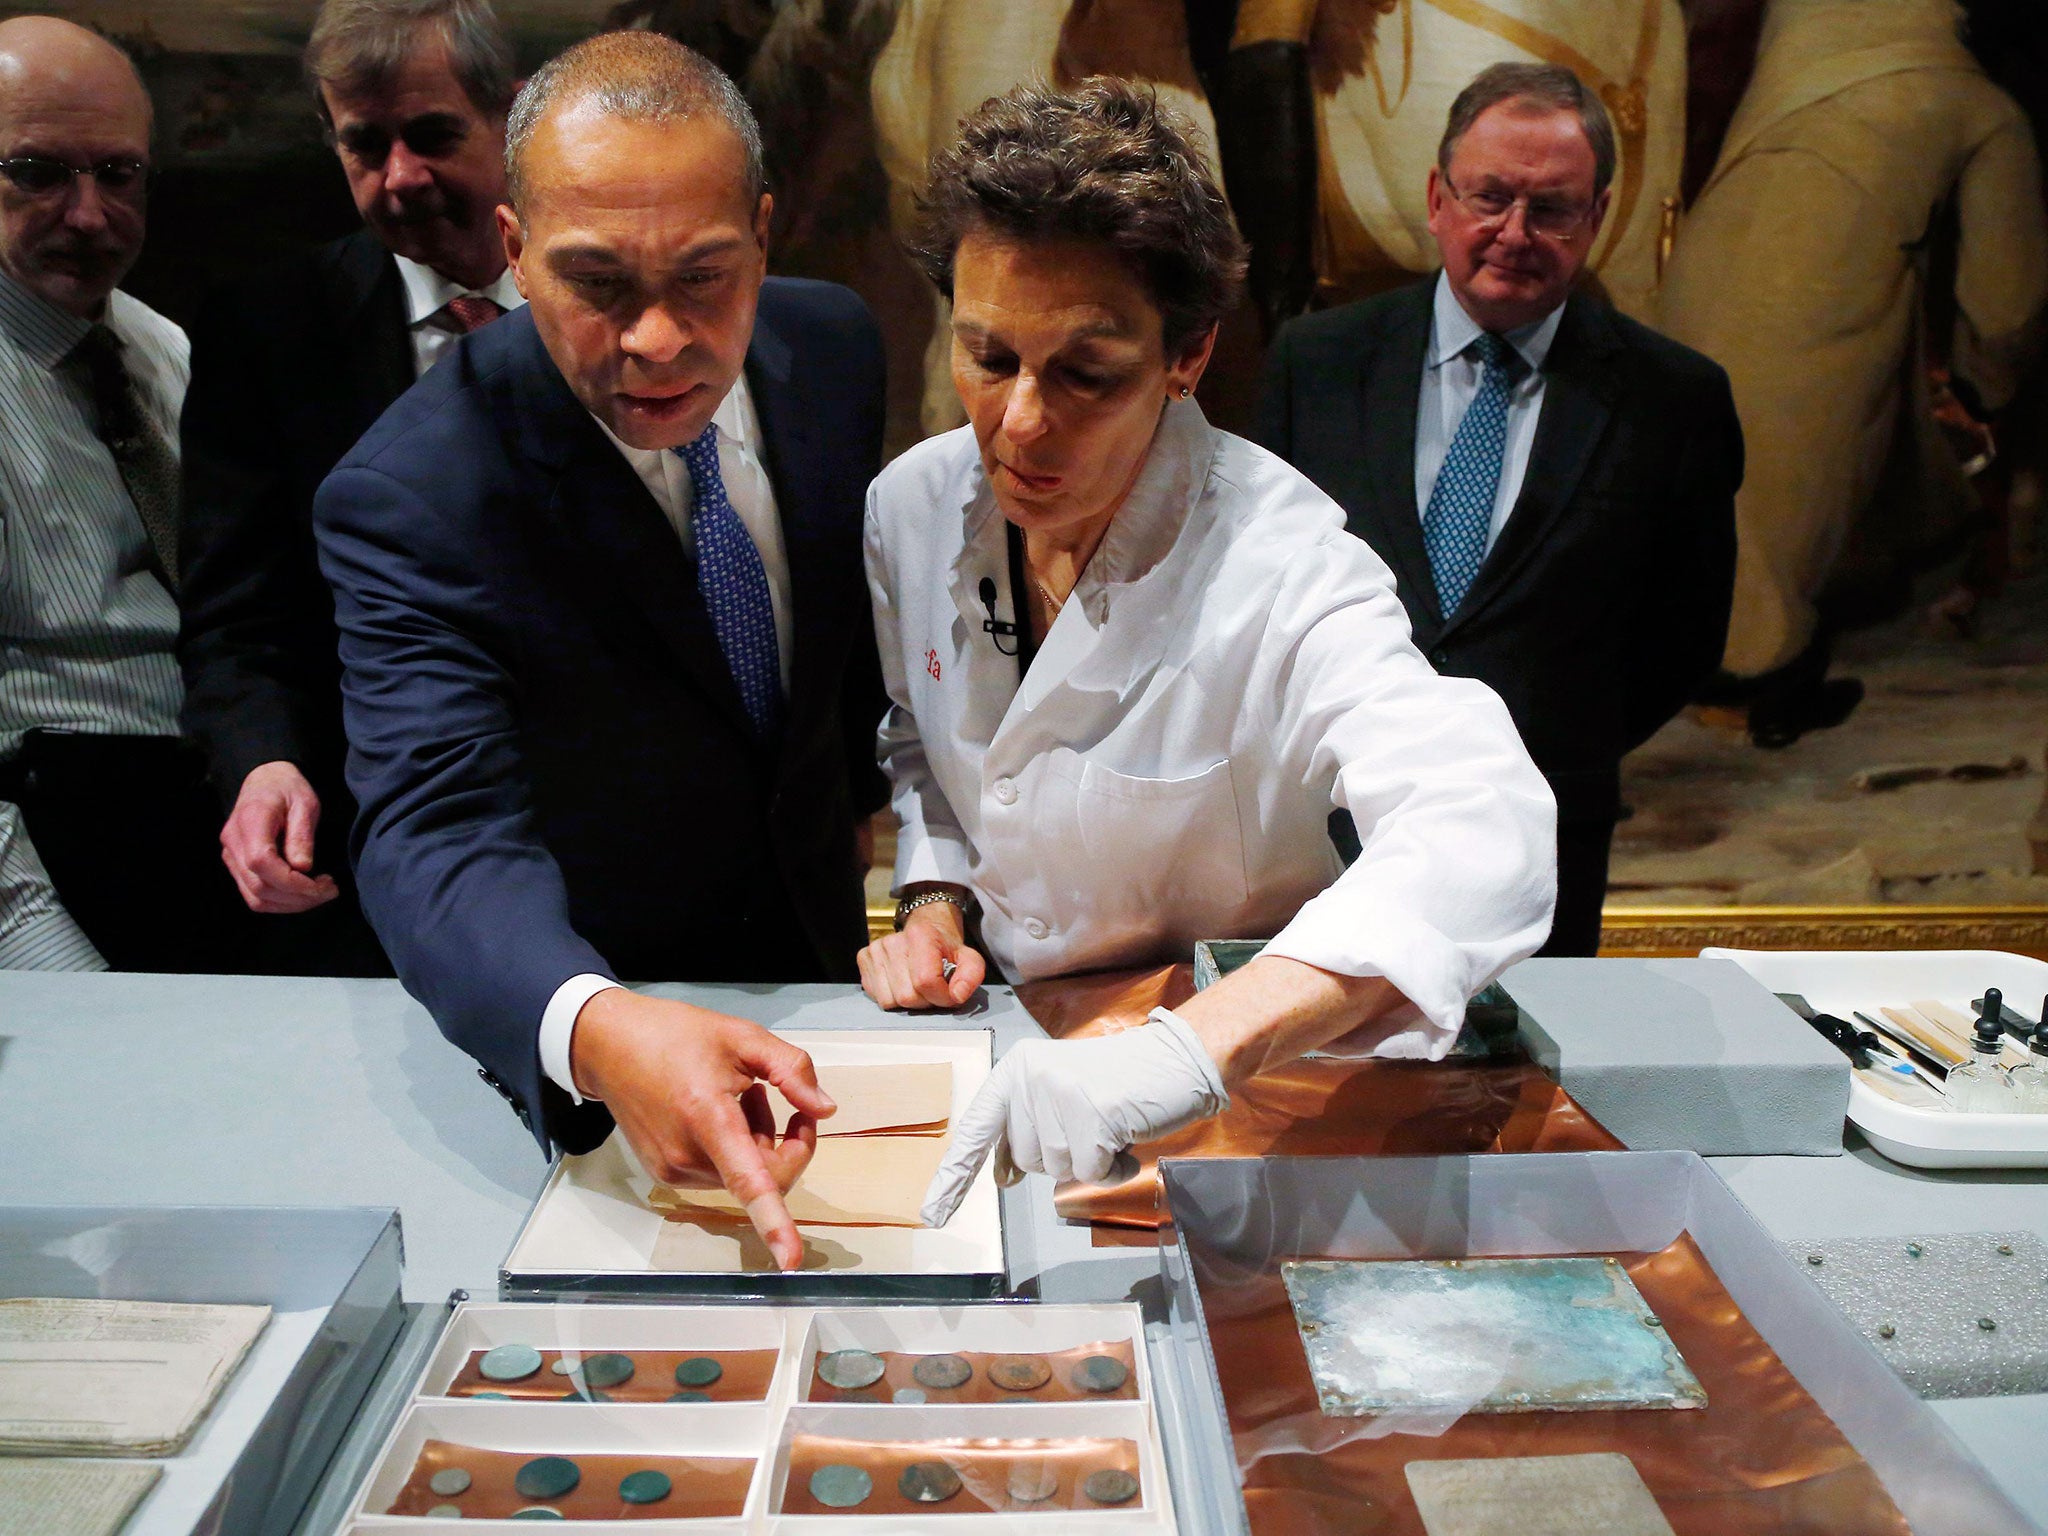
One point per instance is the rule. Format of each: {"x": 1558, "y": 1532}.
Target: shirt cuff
{"x": 558, "y": 1027}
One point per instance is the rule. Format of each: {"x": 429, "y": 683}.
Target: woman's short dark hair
{"x": 1103, "y": 162}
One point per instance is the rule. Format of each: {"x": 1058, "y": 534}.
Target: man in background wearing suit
{"x": 1552, "y": 484}
{"x": 289, "y": 368}
{"x": 608, "y": 666}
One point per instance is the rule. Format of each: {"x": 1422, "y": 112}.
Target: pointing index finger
{"x": 743, "y": 1169}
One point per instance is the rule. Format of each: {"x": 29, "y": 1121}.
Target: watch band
{"x": 964, "y": 905}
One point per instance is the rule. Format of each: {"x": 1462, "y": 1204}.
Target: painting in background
{"x": 1840, "y": 200}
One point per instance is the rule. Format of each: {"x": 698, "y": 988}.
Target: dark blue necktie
{"x": 1460, "y": 510}
{"x": 735, "y": 586}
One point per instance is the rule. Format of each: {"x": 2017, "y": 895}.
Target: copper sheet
{"x": 1760, "y": 1457}
{"x": 746, "y": 1378}
{"x": 983, "y": 1465}
{"x": 1314, "y": 1108}
{"x": 705, "y": 1487}
{"x": 897, "y": 1368}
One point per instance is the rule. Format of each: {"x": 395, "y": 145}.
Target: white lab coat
{"x": 1231, "y": 666}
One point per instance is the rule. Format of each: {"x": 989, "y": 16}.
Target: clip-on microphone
{"x": 992, "y": 626}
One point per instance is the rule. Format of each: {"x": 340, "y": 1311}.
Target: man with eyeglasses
{"x": 1552, "y": 483}
{"x": 106, "y": 850}
{"x": 289, "y": 368}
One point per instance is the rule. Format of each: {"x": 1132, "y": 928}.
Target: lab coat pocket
{"x": 1173, "y": 847}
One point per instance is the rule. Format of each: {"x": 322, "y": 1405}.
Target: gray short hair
{"x": 1545, "y": 85}
{"x": 364, "y": 44}
{"x": 639, "y": 77}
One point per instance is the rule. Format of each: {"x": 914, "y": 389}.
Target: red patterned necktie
{"x": 471, "y": 311}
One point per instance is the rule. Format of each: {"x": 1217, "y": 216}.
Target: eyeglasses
{"x": 41, "y": 176}
{"x": 1540, "y": 215}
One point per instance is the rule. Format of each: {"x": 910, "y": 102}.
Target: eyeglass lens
{"x": 39, "y": 175}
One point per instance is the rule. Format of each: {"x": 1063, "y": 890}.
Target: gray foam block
{"x": 1689, "y": 1055}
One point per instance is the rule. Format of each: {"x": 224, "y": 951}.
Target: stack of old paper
{"x": 113, "y": 1378}
{"x": 875, "y": 1157}
{"x": 70, "y": 1498}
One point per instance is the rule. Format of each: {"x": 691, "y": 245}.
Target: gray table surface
{"x": 195, "y": 1090}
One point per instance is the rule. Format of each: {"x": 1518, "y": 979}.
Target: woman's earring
{"x": 1185, "y": 391}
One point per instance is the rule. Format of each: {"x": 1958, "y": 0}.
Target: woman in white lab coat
{"x": 1134, "y": 663}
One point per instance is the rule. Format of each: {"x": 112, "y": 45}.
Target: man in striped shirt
{"x": 106, "y": 835}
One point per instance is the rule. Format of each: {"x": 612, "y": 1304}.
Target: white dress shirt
{"x": 743, "y": 468}
{"x": 86, "y": 626}
{"x": 1451, "y": 375}
{"x": 427, "y": 293}
{"x": 1231, "y": 665}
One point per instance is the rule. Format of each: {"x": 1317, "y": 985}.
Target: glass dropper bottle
{"x": 2030, "y": 1078}
{"x": 1980, "y": 1085}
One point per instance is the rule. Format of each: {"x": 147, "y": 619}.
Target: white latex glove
{"x": 1068, "y": 1107}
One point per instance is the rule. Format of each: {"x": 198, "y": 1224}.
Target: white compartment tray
{"x": 1843, "y": 981}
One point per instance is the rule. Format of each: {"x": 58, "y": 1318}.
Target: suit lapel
{"x": 782, "y": 407}
{"x": 1577, "y": 401}
{"x": 1388, "y": 390}
{"x": 370, "y": 300}
{"x": 613, "y": 525}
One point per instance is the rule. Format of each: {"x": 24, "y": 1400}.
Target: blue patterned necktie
{"x": 735, "y": 586}
{"x": 1461, "y": 502}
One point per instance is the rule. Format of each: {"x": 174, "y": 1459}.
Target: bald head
{"x": 70, "y": 98}
{"x": 632, "y": 77}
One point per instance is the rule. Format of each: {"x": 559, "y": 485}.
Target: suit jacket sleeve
{"x": 253, "y": 694}
{"x": 1273, "y": 417}
{"x": 1678, "y": 612}
{"x": 470, "y": 905}
{"x": 863, "y": 698}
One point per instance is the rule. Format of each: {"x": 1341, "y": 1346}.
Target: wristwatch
{"x": 964, "y": 905}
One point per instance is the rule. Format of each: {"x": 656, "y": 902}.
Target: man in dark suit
{"x": 1552, "y": 484}
{"x": 609, "y": 670}
{"x": 290, "y": 367}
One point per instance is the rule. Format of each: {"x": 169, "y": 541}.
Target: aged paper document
{"x": 880, "y": 1096}
{"x": 853, "y": 1181}
{"x": 113, "y": 1378}
{"x": 70, "y": 1498}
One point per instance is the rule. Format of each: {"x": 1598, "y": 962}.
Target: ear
{"x": 515, "y": 245}
{"x": 1186, "y": 372}
{"x": 763, "y": 210}
{"x": 1435, "y": 197}
{"x": 1598, "y": 215}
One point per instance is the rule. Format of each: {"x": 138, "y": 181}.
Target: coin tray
{"x": 575, "y": 1331}
{"x": 764, "y": 1430}
{"x": 994, "y": 1330}
{"x": 893, "y": 1425}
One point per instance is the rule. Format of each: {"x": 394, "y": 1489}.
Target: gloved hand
{"x": 1068, "y": 1107}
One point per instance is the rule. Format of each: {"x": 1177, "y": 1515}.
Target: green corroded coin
{"x": 509, "y": 1362}
{"x": 1019, "y": 1373}
{"x": 928, "y": 1482}
{"x": 444, "y": 1512}
{"x": 838, "y": 1486}
{"x": 450, "y": 1481}
{"x": 608, "y": 1370}
{"x": 689, "y": 1397}
{"x": 1101, "y": 1373}
{"x": 547, "y": 1477}
{"x": 1112, "y": 1485}
{"x": 850, "y": 1369}
{"x": 648, "y": 1487}
{"x": 700, "y": 1371}
{"x": 501, "y": 1397}
{"x": 942, "y": 1373}
{"x": 1033, "y": 1482}
{"x": 538, "y": 1512}
{"x": 907, "y": 1395}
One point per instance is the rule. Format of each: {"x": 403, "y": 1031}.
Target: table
{"x": 175, "y": 1090}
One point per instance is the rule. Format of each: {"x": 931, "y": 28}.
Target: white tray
{"x": 1843, "y": 981}
{"x": 764, "y": 1429}
{"x": 592, "y": 1231}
